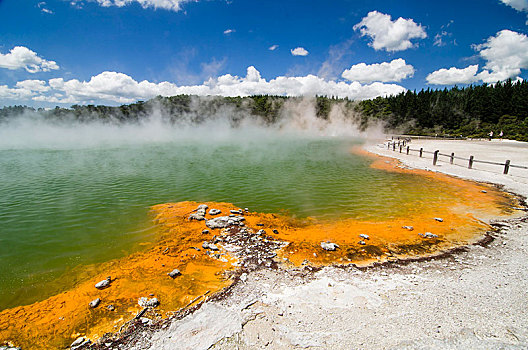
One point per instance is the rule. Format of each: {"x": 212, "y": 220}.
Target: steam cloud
{"x": 297, "y": 117}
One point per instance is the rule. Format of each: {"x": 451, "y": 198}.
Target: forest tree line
{"x": 472, "y": 111}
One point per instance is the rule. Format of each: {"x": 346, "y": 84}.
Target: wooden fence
{"x": 402, "y": 145}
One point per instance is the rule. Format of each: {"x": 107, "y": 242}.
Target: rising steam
{"x": 199, "y": 123}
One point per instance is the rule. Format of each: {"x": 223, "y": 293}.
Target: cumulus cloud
{"x": 172, "y": 5}
{"x": 453, "y": 76}
{"x": 23, "y": 90}
{"x": 121, "y": 88}
{"x": 506, "y": 54}
{"x": 393, "y": 71}
{"x": 21, "y": 57}
{"x": 229, "y": 31}
{"x": 389, "y": 35}
{"x": 273, "y": 47}
{"x": 299, "y": 51}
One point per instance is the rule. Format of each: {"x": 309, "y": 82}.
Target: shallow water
{"x": 64, "y": 204}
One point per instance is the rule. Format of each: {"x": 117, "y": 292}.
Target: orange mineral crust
{"x": 57, "y": 321}
{"x": 433, "y": 227}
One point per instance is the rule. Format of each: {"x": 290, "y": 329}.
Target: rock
{"x": 439, "y": 219}
{"x": 259, "y": 224}
{"x": 275, "y": 232}
{"x": 362, "y": 242}
{"x": 214, "y": 211}
{"x": 205, "y": 232}
{"x": 146, "y": 302}
{"x": 200, "y": 213}
{"x": 428, "y": 235}
{"x": 410, "y": 228}
{"x": 224, "y": 221}
{"x": 239, "y": 211}
{"x": 94, "y": 303}
{"x": 196, "y": 217}
{"x": 174, "y": 273}
{"x": 104, "y": 283}
{"x": 243, "y": 277}
{"x": 329, "y": 246}
{"x": 111, "y": 307}
{"x": 213, "y": 247}
{"x": 484, "y": 191}
{"x": 364, "y": 236}
{"x": 79, "y": 342}
{"x": 208, "y": 245}
{"x": 261, "y": 232}
{"x": 146, "y": 321}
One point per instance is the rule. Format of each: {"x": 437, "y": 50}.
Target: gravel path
{"x": 474, "y": 299}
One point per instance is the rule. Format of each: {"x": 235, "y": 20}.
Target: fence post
{"x": 506, "y": 167}
{"x": 452, "y": 158}
{"x": 401, "y": 148}
{"x": 421, "y": 151}
{"x": 394, "y": 146}
{"x": 470, "y": 162}
{"x": 435, "y": 157}
{"x": 407, "y": 150}
{"x": 388, "y": 145}
{"x": 392, "y": 137}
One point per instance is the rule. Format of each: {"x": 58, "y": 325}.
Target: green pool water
{"x": 75, "y": 198}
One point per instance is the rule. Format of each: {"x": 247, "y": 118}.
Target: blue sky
{"x": 59, "y": 52}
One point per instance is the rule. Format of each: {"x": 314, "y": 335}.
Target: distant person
{"x": 500, "y": 135}
{"x": 490, "y": 135}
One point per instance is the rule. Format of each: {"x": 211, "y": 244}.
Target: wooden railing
{"x": 402, "y": 144}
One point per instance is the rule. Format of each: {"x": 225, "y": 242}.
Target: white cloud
{"x": 33, "y": 85}
{"x": 393, "y": 71}
{"x": 439, "y": 38}
{"x": 41, "y": 5}
{"x": 506, "y": 54}
{"x": 229, "y": 31}
{"x": 273, "y": 47}
{"x": 172, "y": 5}
{"x": 21, "y": 57}
{"x": 121, "y": 88}
{"x": 389, "y": 35}
{"x": 23, "y": 90}
{"x": 519, "y": 5}
{"x": 299, "y": 51}
{"x": 453, "y": 76}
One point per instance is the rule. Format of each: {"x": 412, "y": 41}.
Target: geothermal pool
{"x": 74, "y": 197}
{"x": 65, "y": 203}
